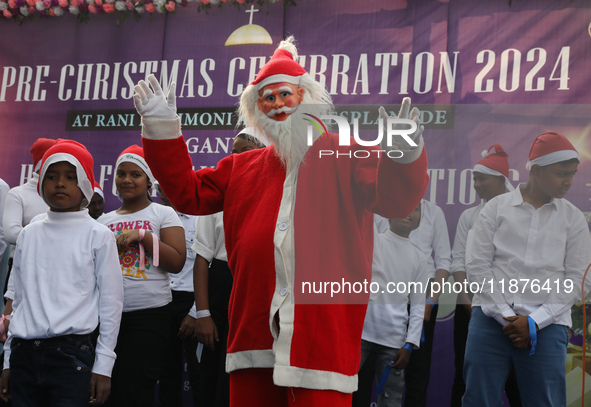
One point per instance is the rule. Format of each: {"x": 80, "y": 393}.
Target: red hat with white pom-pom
{"x": 496, "y": 163}
{"x": 76, "y": 154}
{"x": 282, "y": 67}
{"x": 550, "y": 148}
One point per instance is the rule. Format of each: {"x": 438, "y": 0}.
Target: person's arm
{"x": 4, "y": 188}
{"x": 464, "y": 297}
{"x": 205, "y": 328}
{"x": 12, "y": 219}
{"x": 441, "y": 250}
{"x": 576, "y": 259}
{"x": 417, "y": 306}
{"x": 110, "y": 288}
{"x": 5, "y": 386}
{"x": 401, "y": 358}
{"x": 171, "y": 245}
{"x": 458, "y": 259}
{"x": 191, "y": 192}
{"x": 480, "y": 252}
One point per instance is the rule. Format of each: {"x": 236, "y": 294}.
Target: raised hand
{"x": 153, "y": 104}
{"x": 408, "y": 114}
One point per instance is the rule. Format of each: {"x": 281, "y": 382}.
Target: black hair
{"x": 250, "y": 139}
{"x": 568, "y": 162}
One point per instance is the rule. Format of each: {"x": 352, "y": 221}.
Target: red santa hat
{"x": 550, "y": 148}
{"x": 98, "y": 189}
{"x": 76, "y": 154}
{"x": 496, "y": 163}
{"x": 39, "y": 148}
{"x": 135, "y": 154}
{"x": 281, "y": 68}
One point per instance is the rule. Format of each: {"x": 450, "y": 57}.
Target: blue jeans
{"x": 391, "y": 396}
{"x": 489, "y": 353}
{"x": 51, "y": 372}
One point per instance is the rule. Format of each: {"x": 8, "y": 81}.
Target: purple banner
{"x": 482, "y": 72}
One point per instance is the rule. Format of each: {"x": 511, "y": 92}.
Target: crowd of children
{"x": 139, "y": 269}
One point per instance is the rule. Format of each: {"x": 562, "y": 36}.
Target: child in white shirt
{"x": 66, "y": 278}
{"x": 390, "y": 331}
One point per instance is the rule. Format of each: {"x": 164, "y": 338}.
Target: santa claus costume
{"x": 298, "y": 224}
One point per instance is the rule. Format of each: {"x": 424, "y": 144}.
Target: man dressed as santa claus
{"x": 298, "y": 226}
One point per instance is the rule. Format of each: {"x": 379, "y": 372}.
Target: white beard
{"x": 289, "y": 137}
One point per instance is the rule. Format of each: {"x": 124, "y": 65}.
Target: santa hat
{"x": 496, "y": 163}
{"x": 550, "y": 148}
{"x": 39, "y": 148}
{"x": 135, "y": 154}
{"x": 282, "y": 67}
{"x": 76, "y": 154}
{"x": 98, "y": 189}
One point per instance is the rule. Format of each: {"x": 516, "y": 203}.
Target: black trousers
{"x": 171, "y": 384}
{"x": 418, "y": 371}
{"x": 142, "y": 336}
{"x": 215, "y": 383}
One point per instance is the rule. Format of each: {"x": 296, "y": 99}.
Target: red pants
{"x": 255, "y": 388}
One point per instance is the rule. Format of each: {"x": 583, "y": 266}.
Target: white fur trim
{"x": 99, "y": 191}
{"x": 161, "y": 129}
{"x": 84, "y": 183}
{"x": 290, "y": 376}
{"x": 485, "y": 170}
{"x": 249, "y": 359}
{"x": 294, "y": 80}
{"x": 137, "y": 160}
{"x": 553, "y": 158}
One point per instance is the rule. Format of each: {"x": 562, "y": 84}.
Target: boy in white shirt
{"x": 490, "y": 176}
{"x": 432, "y": 238}
{"x": 390, "y": 331}
{"x": 528, "y": 252}
{"x": 66, "y": 277}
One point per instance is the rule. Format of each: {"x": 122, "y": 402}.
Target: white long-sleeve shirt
{"x": 183, "y": 281}
{"x": 431, "y": 236}
{"x": 4, "y": 188}
{"x": 466, "y": 222}
{"x": 514, "y": 245}
{"x": 396, "y": 263}
{"x": 22, "y": 204}
{"x": 67, "y": 277}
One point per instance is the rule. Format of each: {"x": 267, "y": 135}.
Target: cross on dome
{"x": 251, "y": 11}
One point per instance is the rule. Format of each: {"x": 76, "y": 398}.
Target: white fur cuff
{"x": 161, "y": 129}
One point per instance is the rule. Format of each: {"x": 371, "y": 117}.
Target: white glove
{"x": 153, "y": 105}
{"x": 410, "y": 153}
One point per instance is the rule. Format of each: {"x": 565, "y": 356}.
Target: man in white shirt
{"x": 528, "y": 253}
{"x": 490, "y": 177}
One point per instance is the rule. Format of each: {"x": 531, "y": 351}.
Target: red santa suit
{"x": 327, "y": 213}
{"x": 293, "y": 237}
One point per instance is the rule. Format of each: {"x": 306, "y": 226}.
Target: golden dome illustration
{"x": 249, "y": 34}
